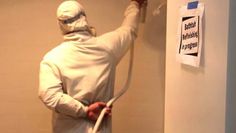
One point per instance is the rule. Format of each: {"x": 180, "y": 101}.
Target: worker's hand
{"x": 95, "y": 109}
{"x": 139, "y": 1}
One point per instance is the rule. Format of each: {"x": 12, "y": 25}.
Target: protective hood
{"x": 72, "y": 18}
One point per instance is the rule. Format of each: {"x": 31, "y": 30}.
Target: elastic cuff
{"x": 84, "y": 111}
{"x": 81, "y": 110}
{"x": 135, "y": 3}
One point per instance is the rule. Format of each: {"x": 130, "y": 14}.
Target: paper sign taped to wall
{"x": 190, "y": 35}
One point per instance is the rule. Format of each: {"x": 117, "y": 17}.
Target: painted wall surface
{"x": 195, "y": 99}
{"x": 29, "y": 30}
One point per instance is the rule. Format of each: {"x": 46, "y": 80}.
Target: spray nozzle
{"x": 143, "y": 11}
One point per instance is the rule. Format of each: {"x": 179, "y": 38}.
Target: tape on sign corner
{"x": 193, "y": 5}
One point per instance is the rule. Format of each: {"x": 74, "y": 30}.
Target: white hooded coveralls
{"x": 80, "y": 72}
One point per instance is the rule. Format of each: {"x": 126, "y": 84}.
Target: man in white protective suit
{"x": 77, "y": 77}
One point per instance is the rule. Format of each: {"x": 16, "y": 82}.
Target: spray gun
{"x": 143, "y": 11}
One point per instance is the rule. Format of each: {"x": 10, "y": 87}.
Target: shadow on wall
{"x": 155, "y": 22}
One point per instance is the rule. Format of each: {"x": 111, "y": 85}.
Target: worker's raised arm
{"x": 117, "y": 42}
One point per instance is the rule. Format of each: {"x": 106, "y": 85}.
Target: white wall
{"x": 195, "y": 99}
{"x": 29, "y": 30}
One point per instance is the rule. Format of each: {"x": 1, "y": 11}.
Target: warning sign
{"x": 190, "y": 34}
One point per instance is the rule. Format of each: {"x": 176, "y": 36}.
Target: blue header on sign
{"x": 192, "y": 5}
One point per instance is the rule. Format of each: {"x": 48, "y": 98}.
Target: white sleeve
{"x": 118, "y": 41}
{"x": 51, "y": 93}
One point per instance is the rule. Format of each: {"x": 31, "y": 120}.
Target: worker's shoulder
{"x": 55, "y": 52}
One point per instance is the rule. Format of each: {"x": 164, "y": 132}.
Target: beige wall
{"x": 195, "y": 99}
{"x": 29, "y": 30}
